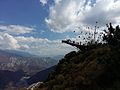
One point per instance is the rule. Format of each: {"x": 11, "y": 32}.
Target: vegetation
{"x": 95, "y": 68}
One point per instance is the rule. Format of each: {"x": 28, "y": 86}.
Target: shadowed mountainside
{"x": 40, "y": 76}
{"x": 9, "y": 77}
{"x": 95, "y": 68}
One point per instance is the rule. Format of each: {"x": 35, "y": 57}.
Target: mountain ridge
{"x": 94, "y": 67}
{"x": 14, "y": 60}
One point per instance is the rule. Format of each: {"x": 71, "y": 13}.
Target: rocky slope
{"x": 16, "y": 67}
{"x": 13, "y": 61}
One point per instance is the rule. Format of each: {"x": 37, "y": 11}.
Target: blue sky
{"x": 27, "y": 13}
{"x": 38, "y": 26}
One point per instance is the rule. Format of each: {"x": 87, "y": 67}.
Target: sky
{"x": 38, "y": 26}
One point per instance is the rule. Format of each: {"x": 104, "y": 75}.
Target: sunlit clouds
{"x": 66, "y": 15}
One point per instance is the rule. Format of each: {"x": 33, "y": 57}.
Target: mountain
{"x": 96, "y": 66}
{"x": 19, "y": 53}
{"x": 95, "y": 69}
{"x": 40, "y": 76}
{"x": 14, "y": 60}
{"x": 17, "y": 66}
{"x": 10, "y": 78}
{"x": 58, "y": 57}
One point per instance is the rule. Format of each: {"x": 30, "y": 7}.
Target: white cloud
{"x": 16, "y": 29}
{"x": 10, "y": 38}
{"x": 8, "y": 41}
{"x": 24, "y": 47}
{"x": 43, "y": 2}
{"x": 57, "y": 1}
{"x": 31, "y": 39}
{"x": 67, "y": 15}
{"x": 44, "y": 47}
{"x": 11, "y": 41}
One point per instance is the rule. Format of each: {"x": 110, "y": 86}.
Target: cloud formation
{"x": 67, "y": 15}
{"x": 11, "y": 41}
{"x": 8, "y": 41}
{"x": 43, "y": 2}
{"x": 16, "y": 29}
{"x": 11, "y": 38}
{"x": 64, "y": 16}
{"x": 44, "y": 46}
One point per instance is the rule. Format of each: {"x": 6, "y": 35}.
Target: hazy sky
{"x": 38, "y": 26}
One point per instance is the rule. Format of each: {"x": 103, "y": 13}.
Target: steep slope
{"x": 96, "y": 69}
{"x": 40, "y": 76}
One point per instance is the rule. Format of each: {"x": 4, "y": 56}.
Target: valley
{"x": 17, "y": 67}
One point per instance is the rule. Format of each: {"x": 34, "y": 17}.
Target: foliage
{"x": 97, "y": 68}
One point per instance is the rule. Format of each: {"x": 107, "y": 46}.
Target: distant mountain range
{"x": 14, "y": 60}
{"x": 16, "y": 67}
{"x": 58, "y": 57}
{"x": 14, "y": 53}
